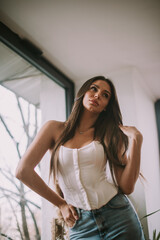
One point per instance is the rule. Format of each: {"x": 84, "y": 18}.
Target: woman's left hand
{"x": 131, "y": 132}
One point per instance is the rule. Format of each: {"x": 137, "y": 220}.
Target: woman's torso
{"x": 82, "y": 176}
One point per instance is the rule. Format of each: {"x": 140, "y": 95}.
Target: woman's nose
{"x": 96, "y": 95}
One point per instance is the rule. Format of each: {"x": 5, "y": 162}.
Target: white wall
{"x": 52, "y": 104}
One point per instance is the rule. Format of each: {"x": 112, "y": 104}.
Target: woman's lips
{"x": 93, "y": 102}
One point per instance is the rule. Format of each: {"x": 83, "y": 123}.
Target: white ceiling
{"x": 84, "y": 38}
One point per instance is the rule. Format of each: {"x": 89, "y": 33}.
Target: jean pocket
{"x": 119, "y": 201}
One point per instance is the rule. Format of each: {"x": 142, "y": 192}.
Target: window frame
{"x": 34, "y": 56}
{"x": 157, "y": 111}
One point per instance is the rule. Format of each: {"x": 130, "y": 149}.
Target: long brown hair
{"x": 106, "y": 127}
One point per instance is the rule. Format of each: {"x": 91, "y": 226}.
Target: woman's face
{"x": 97, "y": 97}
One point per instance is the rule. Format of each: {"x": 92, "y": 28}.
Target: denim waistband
{"x": 80, "y": 210}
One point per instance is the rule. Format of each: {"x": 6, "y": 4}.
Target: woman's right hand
{"x": 69, "y": 214}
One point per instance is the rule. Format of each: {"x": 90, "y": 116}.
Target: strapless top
{"x": 83, "y": 178}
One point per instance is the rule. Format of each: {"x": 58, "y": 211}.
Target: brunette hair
{"x": 106, "y": 127}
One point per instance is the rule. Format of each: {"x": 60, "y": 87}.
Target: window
{"x": 38, "y": 89}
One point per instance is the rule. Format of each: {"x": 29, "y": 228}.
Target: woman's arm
{"x": 25, "y": 169}
{"x": 127, "y": 177}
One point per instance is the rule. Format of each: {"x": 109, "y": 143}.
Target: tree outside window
{"x": 20, "y": 208}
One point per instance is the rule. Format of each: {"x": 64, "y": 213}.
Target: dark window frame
{"x": 33, "y": 55}
{"x": 157, "y": 110}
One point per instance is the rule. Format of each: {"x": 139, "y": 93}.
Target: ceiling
{"x": 84, "y": 38}
{"x": 19, "y": 76}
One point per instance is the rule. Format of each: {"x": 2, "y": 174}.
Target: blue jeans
{"x": 116, "y": 220}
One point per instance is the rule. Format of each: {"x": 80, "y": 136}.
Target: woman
{"x": 87, "y": 147}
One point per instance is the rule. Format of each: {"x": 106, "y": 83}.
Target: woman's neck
{"x": 87, "y": 120}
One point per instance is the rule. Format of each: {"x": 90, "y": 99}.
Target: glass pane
{"x": 28, "y": 99}
{"x": 20, "y": 208}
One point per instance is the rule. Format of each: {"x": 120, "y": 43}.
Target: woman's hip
{"x": 115, "y": 220}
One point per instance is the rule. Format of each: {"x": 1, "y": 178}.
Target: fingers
{"x": 74, "y": 212}
{"x": 70, "y": 222}
{"x": 69, "y": 219}
{"x": 123, "y": 128}
{"x": 72, "y": 217}
{"x": 132, "y": 132}
{"x": 69, "y": 214}
{"x": 127, "y": 130}
{"x": 127, "y": 127}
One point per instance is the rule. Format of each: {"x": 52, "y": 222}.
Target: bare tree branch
{"x": 28, "y": 113}
{"x": 11, "y": 197}
{"x": 17, "y": 194}
{"x": 9, "y": 179}
{"x": 23, "y": 212}
{"x": 25, "y": 126}
{"x": 9, "y": 132}
{"x": 34, "y": 204}
{"x": 36, "y": 124}
{"x": 24, "y": 220}
{"x": 22, "y": 202}
{"x": 35, "y": 223}
{"x": 7, "y": 190}
{"x": 32, "y": 215}
{"x": 29, "y": 138}
{"x": 4, "y": 235}
{"x": 14, "y": 213}
{"x": 36, "y": 130}
{"x": 7, "y": 129}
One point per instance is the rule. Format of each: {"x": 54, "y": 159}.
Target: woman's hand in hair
{"x": 132, "y": 133}
{"x": 69, "y": 214}
{"x": 128, "y": 176}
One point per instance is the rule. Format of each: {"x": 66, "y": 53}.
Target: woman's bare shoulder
{"x": 54, "y": 127}
{"x": 53, "y": 124}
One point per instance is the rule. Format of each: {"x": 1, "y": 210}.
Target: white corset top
{"x": 83, "y": 178}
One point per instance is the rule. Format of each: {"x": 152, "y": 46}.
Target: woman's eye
{"x": 93, "y": 88}
{"x": 105, "y": 95}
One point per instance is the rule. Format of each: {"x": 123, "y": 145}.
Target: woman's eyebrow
{"x": 99, "y": 88}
